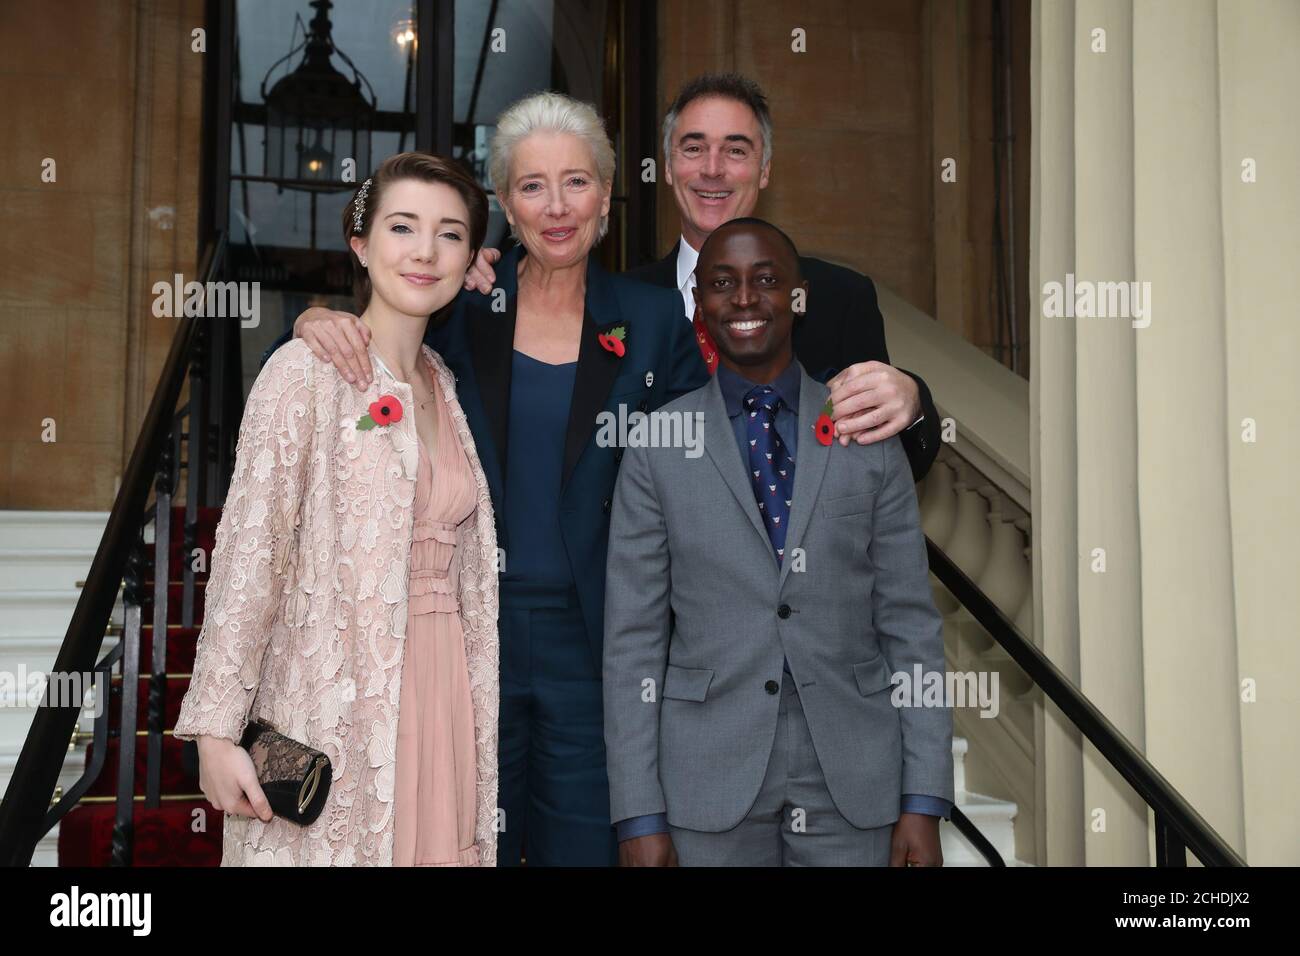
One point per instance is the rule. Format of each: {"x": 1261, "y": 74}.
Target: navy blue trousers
{"x": 551, "y": 747}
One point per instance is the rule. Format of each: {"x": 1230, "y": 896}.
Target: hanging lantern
{"x": 316, "y": 117}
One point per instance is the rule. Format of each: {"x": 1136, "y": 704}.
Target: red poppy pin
{"x": 612, "y": 340}
{"x": 824, "y": 428}
{"x": 386, "y": 410}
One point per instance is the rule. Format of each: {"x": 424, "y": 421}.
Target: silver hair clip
{"x": 359, "y": 205}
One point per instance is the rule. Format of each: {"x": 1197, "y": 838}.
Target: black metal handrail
{"x": 967, "y": 828}
{"x": 1178, "y": 826}
{"x": 26, "y": 814}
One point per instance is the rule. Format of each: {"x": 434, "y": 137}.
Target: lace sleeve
{"x": 254, "y": 539}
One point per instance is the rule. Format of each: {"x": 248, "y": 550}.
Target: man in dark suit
{"x": 717, "y": 154}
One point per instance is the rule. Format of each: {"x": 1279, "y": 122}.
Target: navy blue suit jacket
{"x": 661, "y": 362}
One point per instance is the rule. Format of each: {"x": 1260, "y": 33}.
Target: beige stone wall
{"x": 111, "y": 92}
{"x": 862, "y": 120}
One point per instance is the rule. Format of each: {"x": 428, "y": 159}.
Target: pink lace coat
{"x": 304, "y": 628}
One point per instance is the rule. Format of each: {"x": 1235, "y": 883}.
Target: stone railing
{"x": 976, "y": 507}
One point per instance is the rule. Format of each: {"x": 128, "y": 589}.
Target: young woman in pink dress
{"x": 353, "y": 597}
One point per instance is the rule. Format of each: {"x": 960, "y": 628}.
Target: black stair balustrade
{"x": 1179, "y": 828}
{"x": 204, "y": 432}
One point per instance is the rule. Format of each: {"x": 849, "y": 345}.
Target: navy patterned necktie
{"x": 771, "y": 468}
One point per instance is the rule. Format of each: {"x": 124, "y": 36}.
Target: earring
{"x": 363, "y": 263}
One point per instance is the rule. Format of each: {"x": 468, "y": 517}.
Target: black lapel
{"x": 597, "y": 367}
{"x": 668, "y": 268}
{"x": 492, "y": 344}
{"x": 661, "y": 272}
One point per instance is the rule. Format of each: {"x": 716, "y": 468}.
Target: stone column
{"x": 1143, "y": 114}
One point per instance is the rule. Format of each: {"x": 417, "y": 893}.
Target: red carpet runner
{"x": 184, "y": 830}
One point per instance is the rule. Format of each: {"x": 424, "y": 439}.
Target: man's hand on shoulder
{"x": 916, "y": 841}
{"x": 339, "y": 339}
{"x": 654, "y": 850}
{"x": 872, "y": 401}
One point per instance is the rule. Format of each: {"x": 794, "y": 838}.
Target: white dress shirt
{"x": 686, "y": 259}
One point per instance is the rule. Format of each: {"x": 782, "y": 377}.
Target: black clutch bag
{"x": 294, "y": 777}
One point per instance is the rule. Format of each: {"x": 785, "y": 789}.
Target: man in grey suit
{"x": 759, "y": 599}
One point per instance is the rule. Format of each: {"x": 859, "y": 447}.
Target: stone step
{"x": 52, "y": 529}
{"x": 32, "y": 613}
{"x": 43, "y": 569}
{"x": 994, "y": 818}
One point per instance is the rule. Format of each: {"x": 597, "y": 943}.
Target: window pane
{"x": 276, "y": 204}
{"x": 526, "y": 46}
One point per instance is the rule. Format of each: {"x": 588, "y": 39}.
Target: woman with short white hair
{"x": 559, "y": 345}
{"x": 553, "y": 115}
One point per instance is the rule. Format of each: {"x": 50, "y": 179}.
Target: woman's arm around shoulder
{"x": 254, "y": 538}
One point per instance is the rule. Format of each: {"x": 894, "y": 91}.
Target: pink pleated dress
{"x": 436, "y": 763}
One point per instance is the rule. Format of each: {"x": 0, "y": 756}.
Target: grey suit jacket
{"x": 692, "y": 696}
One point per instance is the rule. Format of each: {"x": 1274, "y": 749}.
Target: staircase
{"x": 183, "y": 829}
{"x": 43, "y": 556}
{"x": 995, "y": 819}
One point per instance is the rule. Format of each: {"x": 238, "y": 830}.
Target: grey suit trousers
{"x": 793, "y": 821}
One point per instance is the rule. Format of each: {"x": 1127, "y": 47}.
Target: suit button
{"x": 618, "y": 456}
{"x": 771, "y": 687}
{"x": 783, "y": 611}
{"x": 604, "y": 506}
{"x": 642, "y": 405}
